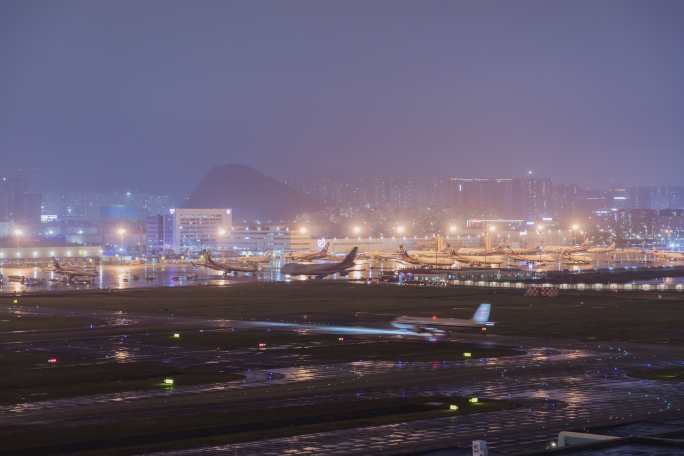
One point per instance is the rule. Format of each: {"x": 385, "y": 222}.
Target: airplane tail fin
{"x": 351, "y": 256}
{"x": 481, "y": 315}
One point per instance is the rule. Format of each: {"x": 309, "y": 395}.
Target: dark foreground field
{"x": 69, "y": 363}
{"x": 637, "y": 317}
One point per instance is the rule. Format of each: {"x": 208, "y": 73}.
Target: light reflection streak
{"x": 359, "y": 330}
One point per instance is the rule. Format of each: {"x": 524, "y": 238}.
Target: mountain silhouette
{"x": 250, "y": 194}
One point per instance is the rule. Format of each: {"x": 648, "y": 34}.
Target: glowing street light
{"x": 492, "y": 228}
{"x": 356, "y": 229}
{"x": 121, "y": 232}
{"x": 401, "y": 229}
{"x": 222, "y": 231}
{"x": 574, "y": 228}
{"x": 18, "y": 233}
{"x": 303, "y": 230}
{"x": 453, "y": 229}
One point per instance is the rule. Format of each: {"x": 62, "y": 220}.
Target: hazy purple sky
{"x": 581, "y": 91}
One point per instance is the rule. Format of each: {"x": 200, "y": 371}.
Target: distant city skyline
{"x": 115, "y": 92}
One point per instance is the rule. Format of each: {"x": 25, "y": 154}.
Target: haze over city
{"x": 152, "y": 94}
{"x": 334, "y": 228}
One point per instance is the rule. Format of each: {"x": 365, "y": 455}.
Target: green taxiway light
{"x": 467, "y": 355}
{"x": 453, "y": 407}
{"x": 168, "y": 382}
{"x": 473, "y": 400}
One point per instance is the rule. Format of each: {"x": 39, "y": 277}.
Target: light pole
{"x": 221, "y": 232}
{"x": 491, "y": 229}
{"x": 18, "y": 233}
{"x": 122, "y": 233}
{"x": 574, "y": 228}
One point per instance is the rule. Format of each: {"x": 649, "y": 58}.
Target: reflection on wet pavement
{"x": 571, "y": 386}
{"x": 114, "y": 276}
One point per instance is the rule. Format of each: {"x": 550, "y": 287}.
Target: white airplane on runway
{"x": 72, "y": 275}
{"x": 480, "y": 319}
{"x": 320, "y": 270}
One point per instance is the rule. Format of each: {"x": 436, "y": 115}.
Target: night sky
{"x": 152, "y": 93}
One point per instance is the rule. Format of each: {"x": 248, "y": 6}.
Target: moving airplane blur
{"x": 480, "y": 319}
{"x": 320, "y": 270}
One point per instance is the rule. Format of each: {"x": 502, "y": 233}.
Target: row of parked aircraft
{"x": 302, "y": 266}
{"x": 577, "y": 255}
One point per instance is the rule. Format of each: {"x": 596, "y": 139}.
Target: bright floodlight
{"x": 401, "y": 229}
{"x": 575, "y": 227}
{"x": 453, "y": 228}
{"x": 492, "y": 228}
{"x": 303, "y": 230}
{"x": 121, "y": 231}
{"x": 222, "y": 231}
{"x": 356, "y": 229}
{"x": 18, "y": 232}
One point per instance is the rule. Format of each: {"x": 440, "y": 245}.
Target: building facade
{"x": 198, "y": 229}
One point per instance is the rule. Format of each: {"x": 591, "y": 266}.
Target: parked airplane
{"x": 475, "y": 251}
{"x": 320, "y": 270}
{"x": 433, "y": 260}
{"x": 321, "y": 254}
{"x": 402, "y": 256}
{"x": 534, "y": 258}
{"x": 265, "y": 258}
{"x": 564, "y": 249}
{"x": 225, "y": 268}
{"x": 72, "y": 275}
{"x": 481, "y": 260}
{"x": 577, "y": 259}
{"x": 480, "y": 319}
{"x": 609, "y": 249}
{"x": 417, "y": 259}
{"x": 668, "y": 255}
